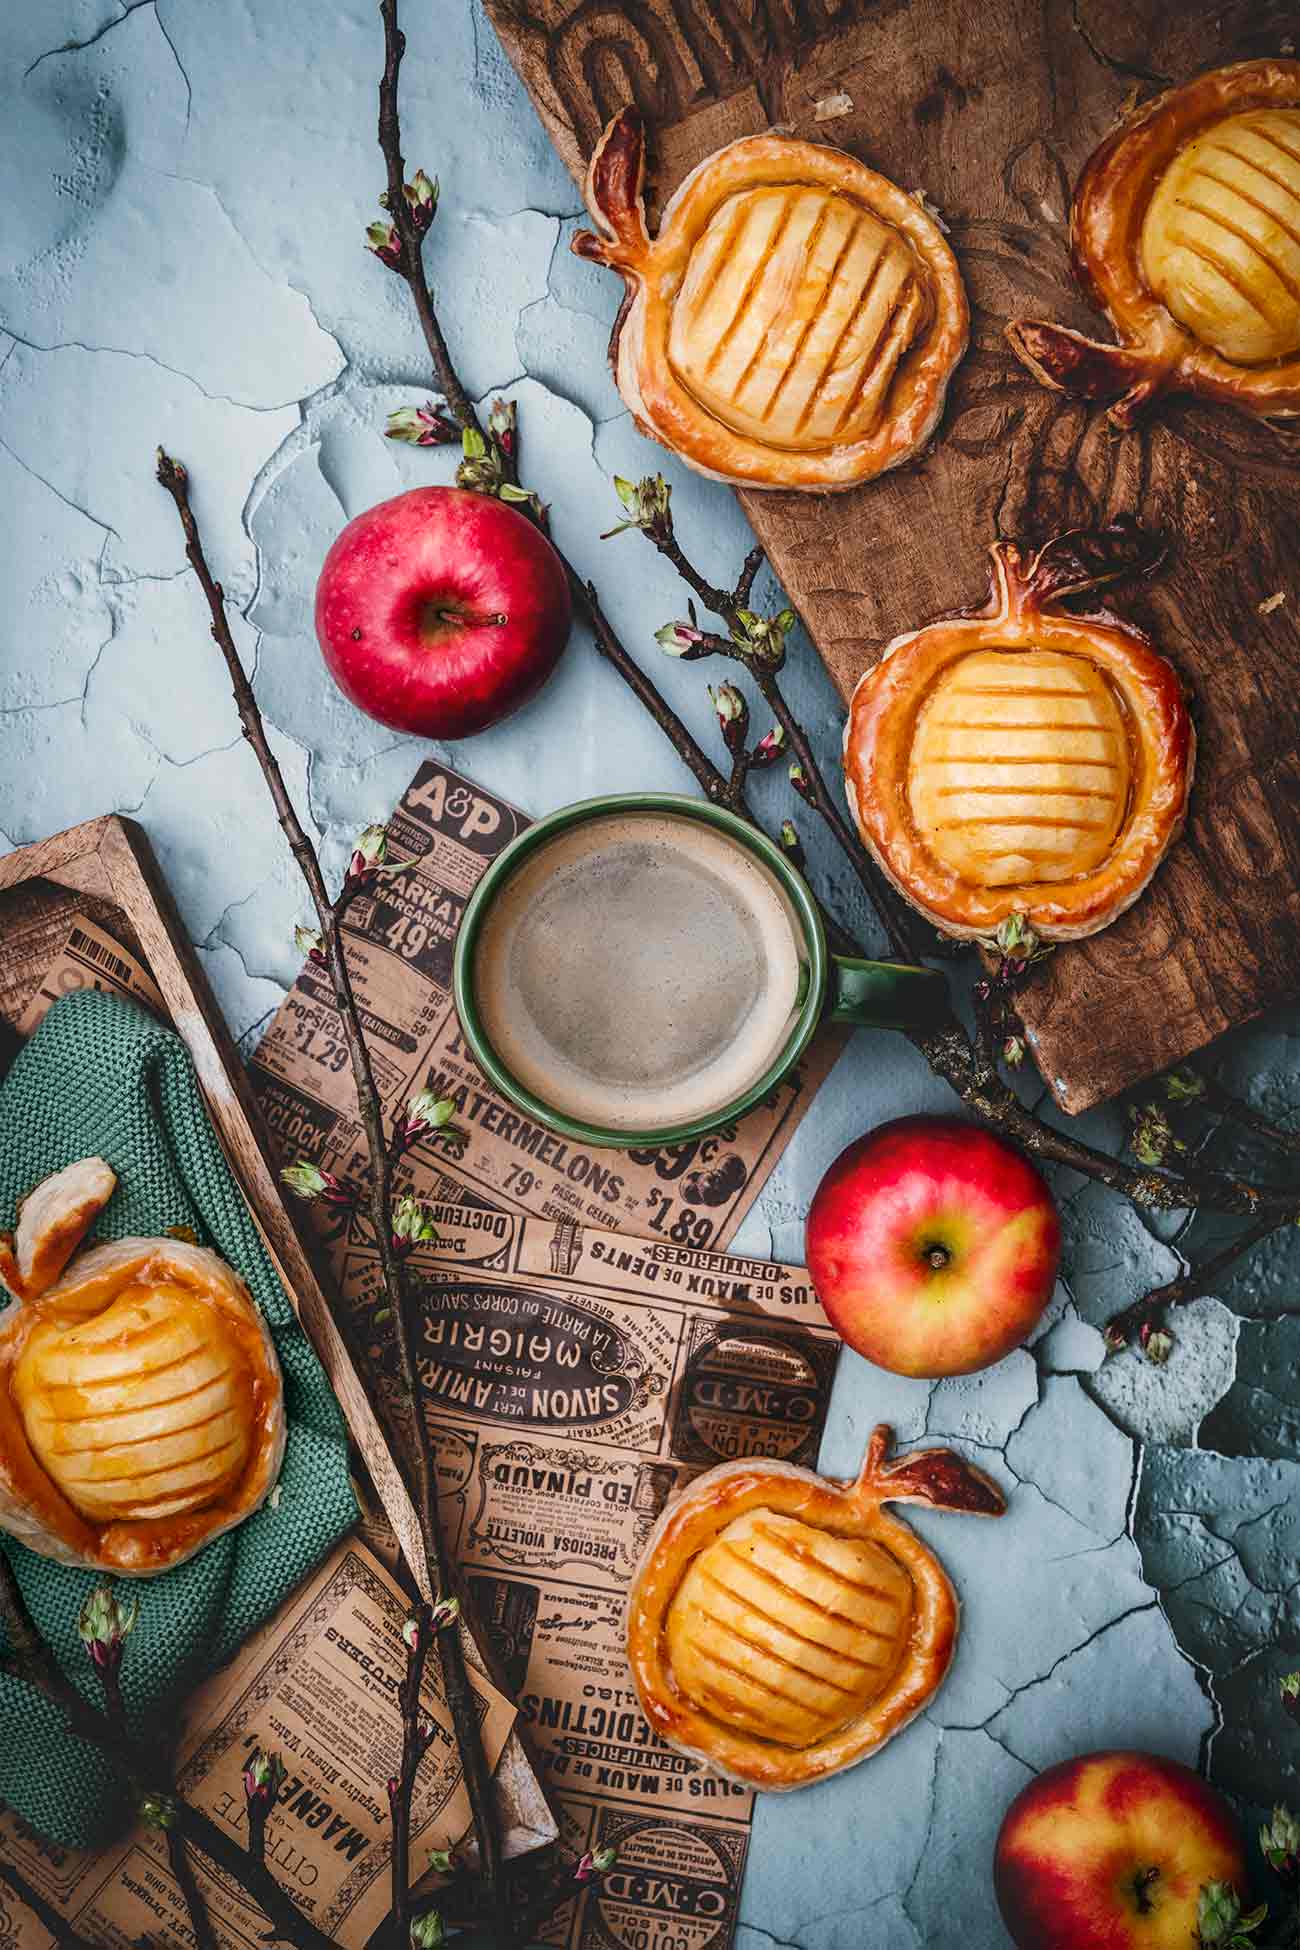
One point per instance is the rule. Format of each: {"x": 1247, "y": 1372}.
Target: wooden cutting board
{"x": 991, "y": 107}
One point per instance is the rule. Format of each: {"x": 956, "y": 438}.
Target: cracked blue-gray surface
{"x": 181, "y": 262}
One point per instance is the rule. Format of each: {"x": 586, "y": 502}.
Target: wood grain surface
{"x": 991, "y": 110}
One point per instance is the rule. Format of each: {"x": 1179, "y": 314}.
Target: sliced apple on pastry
{"x": 141, "y": 1403}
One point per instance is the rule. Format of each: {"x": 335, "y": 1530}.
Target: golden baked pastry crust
{"x": 1215, "y": 167}
{"x": 141, "y": 1407}
{"x": 1061, "y": 802}
{"x": 775, "y": 1686}
{"x": 53, "y": 1220}
{"x": 797, "y": 319}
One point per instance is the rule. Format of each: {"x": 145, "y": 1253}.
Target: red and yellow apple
{"x": 441, "y": 611}
{"x": 933, "y": 1246}
{"x": 1110, "y": 1851}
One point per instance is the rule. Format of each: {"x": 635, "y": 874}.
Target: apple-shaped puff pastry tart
{"x": 796, "y": 321}
{"x": 782, "y": 1626}
{"x": 1024, "y": 758}
{"x": 1186, "y": 229}
{"x": 141, "y": 1405}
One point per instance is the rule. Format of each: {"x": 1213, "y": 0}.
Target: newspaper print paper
{"x": 318, "y": 1685}
{"x": 574, "y": 1380}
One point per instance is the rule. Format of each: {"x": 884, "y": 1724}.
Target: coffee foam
{"x": 639, "y": 971}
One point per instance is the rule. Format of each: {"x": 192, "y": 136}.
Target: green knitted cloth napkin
{"x": 100, "y": 1077}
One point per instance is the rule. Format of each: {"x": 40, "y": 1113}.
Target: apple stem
{"x": 467, "y": 619}
{"x": 1142, "y": 1883}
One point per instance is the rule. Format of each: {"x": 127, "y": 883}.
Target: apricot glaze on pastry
{"x": 797, "y": 319}
{"x": 1186, "y": 231}
{"x": 1023, "y": 758}
{"x": 782, "y": 1626}
{"x": 141, "y": 1406}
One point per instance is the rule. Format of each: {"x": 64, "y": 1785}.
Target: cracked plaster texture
{"x": 181, "y": 261}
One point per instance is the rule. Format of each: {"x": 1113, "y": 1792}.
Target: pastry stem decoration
{"x": 1185, "y": 229}
{"x": 795, "y": 322}
{"x": 141, "y": 1406}
{"x": 1023, "y": 762}
{"x": 782, "y": 1625}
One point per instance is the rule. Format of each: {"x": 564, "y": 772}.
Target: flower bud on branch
{"x": 1183, "y": 1086}
{"x": 427, "y": 1932}
{"x": 763, "y": 637}
{"x": 1220, "y": 1924}
{"x": 104, "y": 1625}
{"x": 421, "y": 197}
{"x": 1019, "y": 945}
{"x": 445, "y": 1612}
{"x": 1157, "y": 1343}
{"x": 1289, "y": 1693}
{"x": 369, "y": 855}
{"x": 647, "y": 504}
{"x": 733, "y": 716}
{"x": 308, "y": 1181}
{"x": 1152, "y": 1137}
{"x": 487, "y": 464}
{"x": 683, "y": 640}
{"x": 503, "y": 425}
{"x": 383, "y": 240}
{"x": 422, "y": 426}
{"x": 594, "y": 1863}
{"x": 770, "y": 746}
{"x": 412, "y": 1224}
{"x": 791, "y": 844}
{"x": 157, "y": 1810}
{"x": 426, "y": 1116}
{"x": 310, "y": 943}
{"x": 800, "y": 781}
{"x": 264, "y": 1776}
{"x": 1279, "y": 1842}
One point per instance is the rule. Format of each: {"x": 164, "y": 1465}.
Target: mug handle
{"x": 885, "y": 994}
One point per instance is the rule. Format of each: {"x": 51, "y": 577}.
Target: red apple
{"x": 441, "y": 611}
{"x": 1109, "y": 1852}
{"x": 933, "y": 1246}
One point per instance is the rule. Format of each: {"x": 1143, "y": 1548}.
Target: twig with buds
{"x": 387, "y": 1214}
{"x": 144, "y": 1771}
{"x": 971, "y": 1067}
{"x": 1142, "y": 1316}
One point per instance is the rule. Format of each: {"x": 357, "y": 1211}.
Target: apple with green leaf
{"x": 1121, "y": 1851}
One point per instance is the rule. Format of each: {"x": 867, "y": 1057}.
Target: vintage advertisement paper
{"x": 89, "y": 958}
{"x": 400, "y": 952}
{"x": 318, "y": 1685}
{"x": 574, "y": 1380}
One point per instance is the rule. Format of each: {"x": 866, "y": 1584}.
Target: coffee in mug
{"x": 640, "y": 970}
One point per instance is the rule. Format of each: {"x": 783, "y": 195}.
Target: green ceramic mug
{"x": 645, "y": 968}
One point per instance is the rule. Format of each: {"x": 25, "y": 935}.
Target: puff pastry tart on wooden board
{"x": 141, "y": 1405}
{"x": 1186, "y": 230}
{"x": 782, "y": 1626}
{"x": 795, "y": 322}
{"x": 994, "y": 111}
{"x": 1024, "y": 758}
